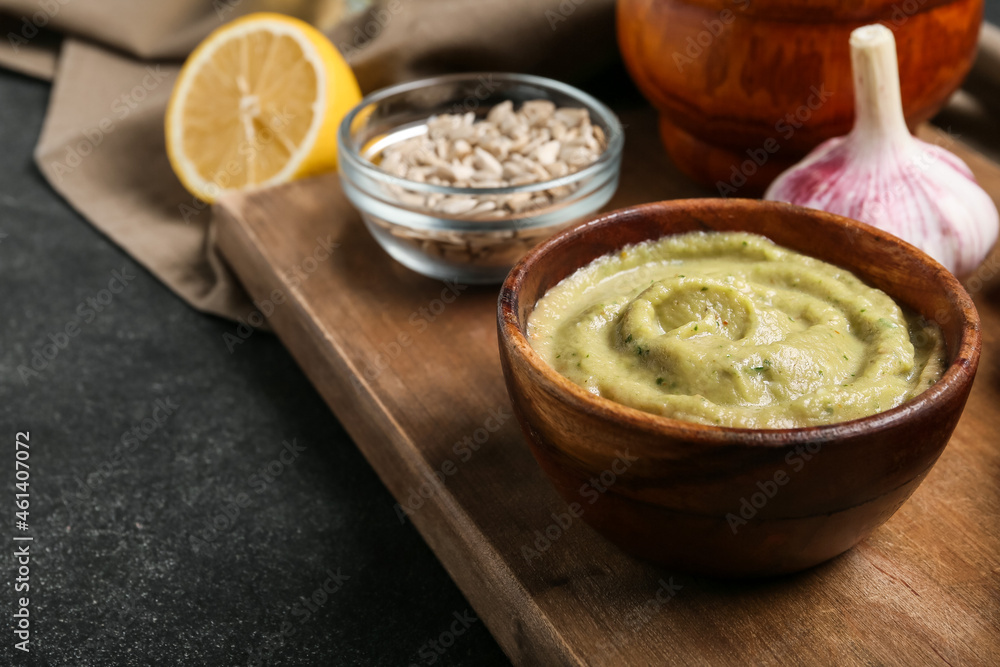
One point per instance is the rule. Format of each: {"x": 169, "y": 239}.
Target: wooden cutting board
{"x": 410, "y": 367}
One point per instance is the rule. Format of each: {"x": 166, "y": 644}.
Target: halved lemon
{"x": 258, "y": 103}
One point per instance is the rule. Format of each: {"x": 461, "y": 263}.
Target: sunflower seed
{"x": 508, "y": 148}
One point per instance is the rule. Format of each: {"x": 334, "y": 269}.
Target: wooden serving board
{"x": 410, "y": 366}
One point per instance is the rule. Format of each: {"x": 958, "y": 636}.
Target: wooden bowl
{"x": 732, "y": 501}
{"x": 745, "y": 89}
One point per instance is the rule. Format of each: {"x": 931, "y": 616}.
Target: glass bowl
{"x": 452, "y": 247}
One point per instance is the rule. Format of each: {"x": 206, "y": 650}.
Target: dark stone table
{"x": 190, "y": 506}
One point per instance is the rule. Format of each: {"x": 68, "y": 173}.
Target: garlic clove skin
{"x": 882, "y": 175}
{"x": 925, "y": 195}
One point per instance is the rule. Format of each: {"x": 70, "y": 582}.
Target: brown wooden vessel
{"x": 678, "y": 495}
{"x": 745, "y": 88}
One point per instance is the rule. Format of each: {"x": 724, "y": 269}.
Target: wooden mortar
{"x": 745, "y": 88}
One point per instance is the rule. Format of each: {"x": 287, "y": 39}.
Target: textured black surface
{"x": 117, "y": 578}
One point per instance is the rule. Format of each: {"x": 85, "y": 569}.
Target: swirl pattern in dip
{"x": 730, "y": 329}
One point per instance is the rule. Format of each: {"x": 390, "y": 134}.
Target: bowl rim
{"x": 607, "y": 160}
{"x": 956, "y": 379}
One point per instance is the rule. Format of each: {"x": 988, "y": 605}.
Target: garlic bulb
{"x": 881, "y": 174}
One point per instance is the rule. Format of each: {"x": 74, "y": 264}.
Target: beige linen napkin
{"x": 147, "y": 30}
{"x": 102, "y": 149}
{"x": 102, "y": 144}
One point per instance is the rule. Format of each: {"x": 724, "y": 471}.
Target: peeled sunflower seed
{"x": 508, "y": 148}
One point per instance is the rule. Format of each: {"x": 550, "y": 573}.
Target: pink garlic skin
{"x": 881, "y": 174}
{"x": 920, "y": 192}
